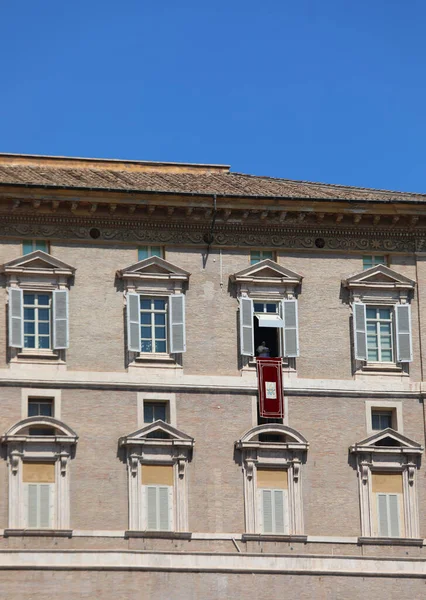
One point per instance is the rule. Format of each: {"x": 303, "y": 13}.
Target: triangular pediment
{"x": 159, "y": 431}
{"x": 267, "y": 270}
{"x": 387, "y": 440}
{"x": 154, "y": 267}
{"x": 379, "y": 276}
{"x": 37, "y": 261}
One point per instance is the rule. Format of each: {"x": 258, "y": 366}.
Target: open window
{"x": 38, "y": 287}
{"x": 387, "y": 464}
{"x": 39, "y": 450}
{"x": 155, "y": 309}
{"x": 381, "y": 319}
{"x": 272, "y": 457}
{"x": 157, "y": 458}
{"x": 268, "y": 311}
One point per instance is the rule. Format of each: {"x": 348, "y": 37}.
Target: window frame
{"x": 35, "y": 393}
{"x": 262, "y": 257}
{"x": 377, "y": 334}
{"x": 152, "y": 312}
{"x": 384, "y": 405}
{"x": 403, "y": 457}
{"x": 149, "y": 252}
{"x": 57, "y": 448}
{"x": 167, "y": 398}
{"x": 373, "y": 261}
{"x": 172, "y": 449}
{"x": 288, "y": 456}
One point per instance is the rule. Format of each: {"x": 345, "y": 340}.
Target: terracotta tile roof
{"x": 221, "y": 183}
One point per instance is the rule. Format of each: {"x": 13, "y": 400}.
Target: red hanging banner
{"x": 269, "y": 377}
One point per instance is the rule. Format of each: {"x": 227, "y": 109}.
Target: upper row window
{"x": 31, "y": 245}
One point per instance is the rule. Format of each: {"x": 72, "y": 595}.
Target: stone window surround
{"x": 140, "y": 280}
{"x": 175, "y": 451}
{"x": 267, "y": 289}
{"x": 288, "y": 455}
{"x": 397, "y": 290}
{"x": 167, "y": 398}
{"x": 405, "y": 459}
{"x": 56, "y": 448}
{"x": 55, "y": 395}
{"x": 54, "y": 276}
{"x": 394, "y": 406}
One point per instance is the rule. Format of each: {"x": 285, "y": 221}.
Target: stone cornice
{"x": 193, "y": 232}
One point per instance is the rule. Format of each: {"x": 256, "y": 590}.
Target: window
{"x": 381, "y": 318}
{"x": 272, "y": 501}
{"x": 39, "y": 473}
{"x": 40, "y": 406}
{"x": 372, "y": 260}
{"x": 267, "y": 324}
{"x": 387, "y": 465}
{"x": 153, "y": 324}
{"x": 37, "y": 305}
{"x": 157, "y": 497}
{"x": 388, "y": 504}
{"x": 29, "y": 246}
{"x": 154, "y": 411}
{"x": 258, "y": 255}
{"x": 147, "y": 251}
{"x": 381, "y": 420}
{"x": 39, "y": 493}
{"x": 269, "y": 329}
{"x": 272, "y": 456}
{"x": 37, "y": 320}
{"x": 158, "y": 456}
{"x": 379, "y": 334}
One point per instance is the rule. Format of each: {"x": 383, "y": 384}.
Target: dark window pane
{"x": 160, "y": 411}
{"x": 29, "y": 298}
{"x": 146, "y": 346}
{"x": 29, "y": 327}
{"x": 145, "y": 303}
{"x": 43, "y": 299}
{"x": 29, "y": 341}
{"x": 160, "y": 319}
{"x": 258, "y": 306}
{"x": 160, "y": 333}
{"x": 271, "y": 308}
{"x": 29, "y": 314}
{"x": 160, "y": 346}
{"x": 43, "y": 314}
{"x": 145, "y": 318}
{"x": 44, "y": 328}
{"x": 146, "y": 332}
{"x": 148, "y": 412}
{"x": 159, "y": 304}
{"x": 44, "y": 343}
{"x": 32, "y": 409}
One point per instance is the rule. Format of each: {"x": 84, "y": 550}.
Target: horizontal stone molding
{"x": 169, "y": 535}
{"x": 38, "y": 533}
{"x": 387, "y": 541}
{"x": 235, "y": 562}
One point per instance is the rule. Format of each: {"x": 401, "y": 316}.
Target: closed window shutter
{"x": 404, "y": 351}
{"x": 16, "y": 318}
{"x": 267, "y": 511}
{"x": 360, "y": 330}
{"x": 151, "y": 507}
{"x": 133, "y": 323}
{"x": 291, "y": 329}
{"x": 60, "y": 319}
{"x": 163, "y": 508}
{"x": 382, "y": 510}
{"x": 177, "y": 324}
{"x": 32, "y": 504}
{"x": 279, "y": 511}
{"x": 46, "y": 497}
{"x": 246, "y": 327}
{"x": 393, "y": 515}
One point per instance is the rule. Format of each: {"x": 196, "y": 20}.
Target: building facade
{"x": 135, "y": 298}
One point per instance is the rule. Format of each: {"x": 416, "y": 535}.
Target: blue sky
{"x": 324, "y": 91}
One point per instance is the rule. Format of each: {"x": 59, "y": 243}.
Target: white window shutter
{"x": 16, "y": 318}
{"x": 404, "y": 350}
{"x": 151, "y": 507}
{"x": 393, "y": 515}
{"x": 382, "y": 510}
{"x": 32, "y": 505}
{"x": 267, "y": 511}
{"x": 246, "y": 326}
{"x": 360, "y": 330}
{"x": 279, "y": 511}
{"x": 60, "y": 320}
{"x": 45, "y": 503}
{"x": 133, "y": 322}
{"x": 163, "y": 508}
{"x": 291, "y": 328}
{"x": 177, "y": 323}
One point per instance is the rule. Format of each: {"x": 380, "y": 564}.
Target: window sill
{"x": 172, "y": 535}
{"x": 389, "y": 541}
{"x": 251, "y": 366}
{"x": 382, "y": 369}
{"x": 157, "y": 361}
{"x": 38, "y": 533}
{"x": 273, "y": 537}
{"x": 38, "y": 354}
